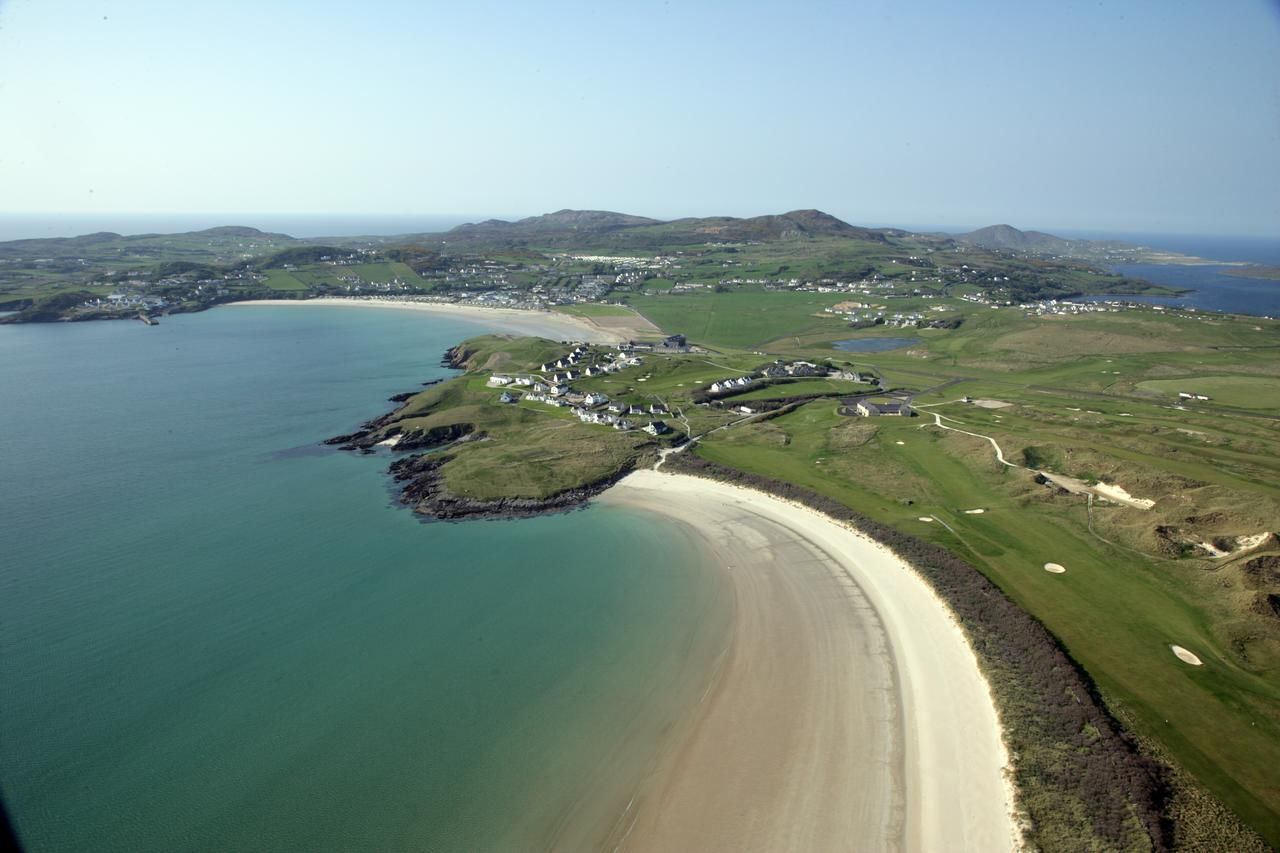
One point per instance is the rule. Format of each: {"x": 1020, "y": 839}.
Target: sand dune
{"x": 848, "y": 713}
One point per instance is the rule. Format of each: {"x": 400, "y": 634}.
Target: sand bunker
{"x": 1248, "y": 543}
{"x": 1119, "y": 495}
{"x": 899, "y": 442}
{"x": 1054, "y": 568}
{"x": 924, "y": 518}
{"x": 974, "y": 511}
{"x": 1185, "y": 656}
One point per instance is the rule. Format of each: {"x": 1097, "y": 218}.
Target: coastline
{"x": 849, "y": 711}
{"x": 518, "y": 321}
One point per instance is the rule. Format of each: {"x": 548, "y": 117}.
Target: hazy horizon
{"x": 1127, "y": 117}
{"x": 38, "y": 225}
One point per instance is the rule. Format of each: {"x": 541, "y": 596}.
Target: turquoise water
{"x": 217, "y": 635}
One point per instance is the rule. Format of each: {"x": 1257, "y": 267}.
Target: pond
{"x": 874, "y": 344}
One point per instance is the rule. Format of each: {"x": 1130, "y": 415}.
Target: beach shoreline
{"x": 543, "y": 324}
{"x": 849, "y": 711}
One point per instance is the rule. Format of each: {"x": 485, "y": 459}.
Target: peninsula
{"x": 1101, "y": 471}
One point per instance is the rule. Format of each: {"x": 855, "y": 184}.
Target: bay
{"x": 218, "y": 635}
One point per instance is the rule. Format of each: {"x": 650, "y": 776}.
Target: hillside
{"x": 1008, "y": 237}
{"x": 606, "y": 229}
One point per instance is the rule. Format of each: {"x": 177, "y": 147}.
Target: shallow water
{"x": 216, "y": 636}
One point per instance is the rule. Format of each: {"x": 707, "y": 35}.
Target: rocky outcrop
{"x": 423, "y": 489}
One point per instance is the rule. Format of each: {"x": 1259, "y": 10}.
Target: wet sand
{"x": 847, "y": 712}
{"x": 544, "y": 324}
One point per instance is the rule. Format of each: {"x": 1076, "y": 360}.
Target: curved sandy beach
{"x": 848, "y": 712}
{"x": 544, "y": 324}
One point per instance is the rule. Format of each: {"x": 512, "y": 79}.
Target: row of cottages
{"x": 500, "y": 380}
{"x": 587, "y": 416}
{"x": 1186, "y": 395}
{"x": 557, "y": 402}
{"x": 780, "y": 370}
{"x": 868, "y": 409}
{"x": 576, "y": 355}
{"x": 620, "y": 408}
{"x": 735, "y": 384}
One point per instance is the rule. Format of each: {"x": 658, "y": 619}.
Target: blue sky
{"x": 1128, "y": 116}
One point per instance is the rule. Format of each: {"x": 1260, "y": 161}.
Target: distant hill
{"x": 207, "y": 241}
{"x": 562, "y": 222}
{"x": 1011, "y": 239}
{"x": 579, "y": 228}
{"x": 1008, "y": 237}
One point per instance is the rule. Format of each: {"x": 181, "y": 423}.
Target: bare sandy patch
{"x": 1186, "y": 656}
{"x": 1055, "y": 568}
{"x": 1119, "y": 495}
{"x": 974, "y": 511}
{"x": 992, "y": 404}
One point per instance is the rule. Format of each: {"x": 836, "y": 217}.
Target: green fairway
{"x": 1246, "y": 392}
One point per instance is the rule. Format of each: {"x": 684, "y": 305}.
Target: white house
{"x": 499, "y": 380}
{"x": 657, "y": 428}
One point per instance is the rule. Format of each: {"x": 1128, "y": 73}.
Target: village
{"x": 550, "y": 386}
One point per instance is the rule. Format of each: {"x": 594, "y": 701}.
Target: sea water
{"x": 217, "y": 634}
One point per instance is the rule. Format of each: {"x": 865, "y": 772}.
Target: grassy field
{"x": 1246, "y": 392}
{"x": 747, "y": 319}
{"x": 283, "y": 280}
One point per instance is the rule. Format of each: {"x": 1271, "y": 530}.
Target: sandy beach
{"x": 848, "y": 711}
{"x": 544, "y": 324}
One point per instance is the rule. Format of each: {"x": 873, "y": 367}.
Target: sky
{"x": 1125, "y": 116}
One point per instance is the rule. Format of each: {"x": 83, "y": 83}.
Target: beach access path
{"x": 847, "y": 711}
{"x": 543, "y": 324}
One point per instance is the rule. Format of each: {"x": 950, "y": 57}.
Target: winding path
{"x": 999, "y": 453}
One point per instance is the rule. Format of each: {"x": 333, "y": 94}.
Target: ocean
{"x": 217, "y": 634}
